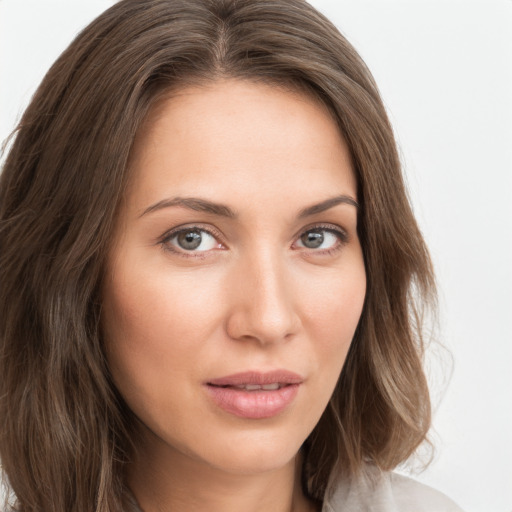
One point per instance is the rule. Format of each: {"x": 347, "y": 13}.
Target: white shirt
{"x": 384, "y": 492}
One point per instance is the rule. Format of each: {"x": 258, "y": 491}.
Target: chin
{"x": 259, "y": 445}
{"x": 258, "y": 458}
{"x": 246, "y": 449}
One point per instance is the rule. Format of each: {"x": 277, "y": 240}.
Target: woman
{"x": 212, "y": 280}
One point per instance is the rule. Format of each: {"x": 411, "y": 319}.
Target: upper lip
{"x": 256, "y": 377}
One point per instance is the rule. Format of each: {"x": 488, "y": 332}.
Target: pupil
{"x": 189, "y": 240}
{"x": 312, "y": 239}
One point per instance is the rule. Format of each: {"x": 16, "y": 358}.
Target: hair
{"x": 65, "y": 434}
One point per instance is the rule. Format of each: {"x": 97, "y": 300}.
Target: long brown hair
{"x": 64, "y": 430}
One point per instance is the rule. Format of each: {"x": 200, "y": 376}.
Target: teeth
{"x": 252, "y": 387}
{"x": 255, "y": 387}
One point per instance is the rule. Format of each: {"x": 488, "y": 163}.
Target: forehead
{"x": 239, "y": 138}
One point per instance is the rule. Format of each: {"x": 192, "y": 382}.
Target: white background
{"x": 445, "y": 71}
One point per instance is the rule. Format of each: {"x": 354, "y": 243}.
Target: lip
{"x": 257, "y": 404}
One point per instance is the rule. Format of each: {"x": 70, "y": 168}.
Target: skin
{"x": 252, "y": 296}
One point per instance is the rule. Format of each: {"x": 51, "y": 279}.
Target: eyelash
{"x": 341, "y": 234}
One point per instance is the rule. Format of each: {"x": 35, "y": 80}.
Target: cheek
{"x": 334, "y": 308}
{"x": 335, "y": 303}
{"x": 155, "y": 324}
{"x": 152, "y": 305}
{"x": 141, "y": 317}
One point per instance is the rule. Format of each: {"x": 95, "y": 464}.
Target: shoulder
{"x": 377, "y": 491}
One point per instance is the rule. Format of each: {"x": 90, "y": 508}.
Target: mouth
{"x": 272, "y": 378}
{"x": 255, "y": 387}
{"x": 255, "y": 395}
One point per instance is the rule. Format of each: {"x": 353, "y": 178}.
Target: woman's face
{"x": 236, "y": 279}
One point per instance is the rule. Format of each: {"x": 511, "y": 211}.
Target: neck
{"x": 164, "y": 480}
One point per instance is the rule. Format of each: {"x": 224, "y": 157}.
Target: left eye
{"x": 319, "y": 239}
{"x": 195, "y": 239}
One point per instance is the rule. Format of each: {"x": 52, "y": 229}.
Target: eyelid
{"x": 325, "y": 226}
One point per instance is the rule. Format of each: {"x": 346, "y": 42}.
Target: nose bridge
{"x": 264, "y": 306}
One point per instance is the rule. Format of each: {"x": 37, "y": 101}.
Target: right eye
{"x": 190, "y": 240}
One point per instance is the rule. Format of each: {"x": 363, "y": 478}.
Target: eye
{"x": 322, "y": 239}
{"x": 191, "y": 239}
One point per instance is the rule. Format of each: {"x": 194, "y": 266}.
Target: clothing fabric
{"x": 378, "y": 491}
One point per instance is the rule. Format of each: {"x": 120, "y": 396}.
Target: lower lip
{"x": 253, "y": 404}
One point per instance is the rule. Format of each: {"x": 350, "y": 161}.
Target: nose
{"x": 263, "y": 305}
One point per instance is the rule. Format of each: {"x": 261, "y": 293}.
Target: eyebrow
{"x": 205, "y": 206}
{"x": 326, "y": 205}
{"x": 193, "y": 203}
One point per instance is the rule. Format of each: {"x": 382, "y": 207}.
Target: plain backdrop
{"x": 444, "y": 69}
